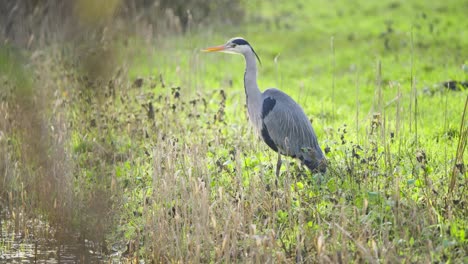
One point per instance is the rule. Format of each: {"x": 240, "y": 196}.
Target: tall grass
{"x": 140, "y": 144}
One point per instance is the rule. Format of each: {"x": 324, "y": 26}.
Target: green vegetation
{"x": 153, "y": 157}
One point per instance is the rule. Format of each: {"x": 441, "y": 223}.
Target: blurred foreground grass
{"x": 148, "y": 151}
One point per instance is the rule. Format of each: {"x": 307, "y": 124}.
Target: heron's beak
{"x": 216, "y": 48}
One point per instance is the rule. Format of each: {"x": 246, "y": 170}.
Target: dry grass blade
{"x": 459, "y": 166}
{"x": 363, "y": 250}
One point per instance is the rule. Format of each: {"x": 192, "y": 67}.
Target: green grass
{"x": 193, "y": 183}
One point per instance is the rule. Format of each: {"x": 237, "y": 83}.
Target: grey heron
{"x": 275, "y": 116}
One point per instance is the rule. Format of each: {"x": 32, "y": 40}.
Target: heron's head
{"x": 235, "y": 45}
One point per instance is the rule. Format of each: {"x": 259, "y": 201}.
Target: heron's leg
{"x": 278, "y": 168}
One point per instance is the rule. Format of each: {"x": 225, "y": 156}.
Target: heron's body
{"x": 276, "y": 117}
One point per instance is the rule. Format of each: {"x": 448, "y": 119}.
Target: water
{"x": 34, "y": 241}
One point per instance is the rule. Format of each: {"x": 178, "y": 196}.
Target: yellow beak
{"x": 216, "y": 48}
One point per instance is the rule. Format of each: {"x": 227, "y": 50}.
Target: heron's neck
{"x": 252, "y": 91}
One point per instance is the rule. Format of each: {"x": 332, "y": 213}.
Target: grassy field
{"x": 154, "y": 158}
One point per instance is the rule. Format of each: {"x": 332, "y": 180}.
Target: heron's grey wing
{"x": 287, "y": 129}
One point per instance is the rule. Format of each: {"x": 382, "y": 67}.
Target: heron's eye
{"x": 233, "y": 45}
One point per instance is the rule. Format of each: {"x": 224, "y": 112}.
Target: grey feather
{"x": 291, "y": 131}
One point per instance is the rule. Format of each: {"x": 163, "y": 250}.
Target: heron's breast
{"x": 255, "y": 118}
